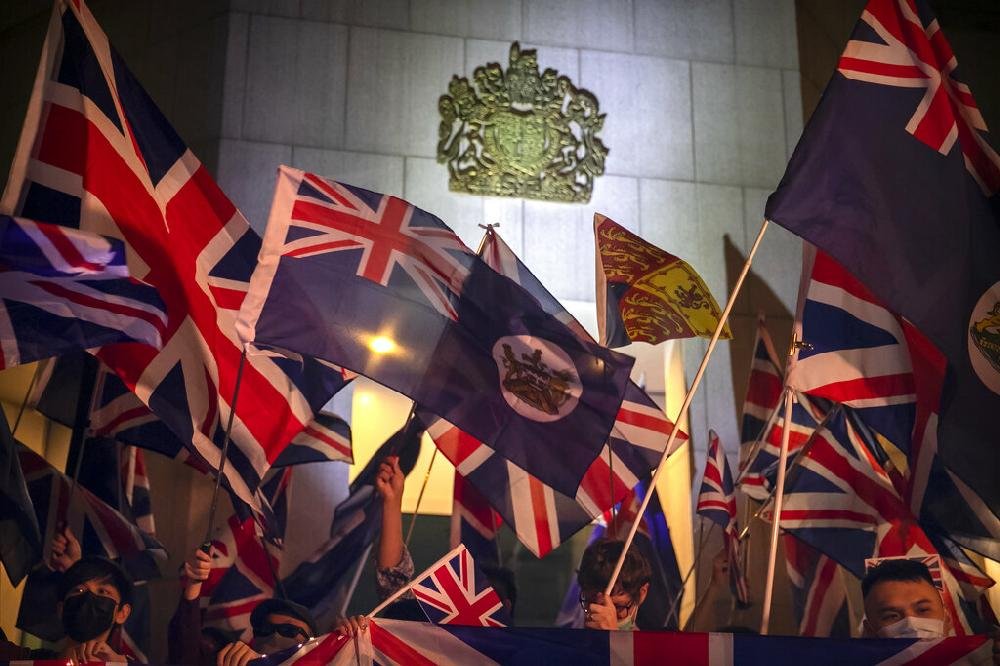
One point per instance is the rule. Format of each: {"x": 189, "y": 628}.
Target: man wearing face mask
{"x": 617, "y": 612}
{"x": 95, "y": 595}
{"x": 901, "y": 601}
{"x": 277, "y": 624}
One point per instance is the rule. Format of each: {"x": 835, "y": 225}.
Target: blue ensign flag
{"x": 893, "y": 177}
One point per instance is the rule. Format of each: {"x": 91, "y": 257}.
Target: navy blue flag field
{"x": 62, "y": 290}
{"x": 373, "y": 284}
{"x": 893, "y": 177}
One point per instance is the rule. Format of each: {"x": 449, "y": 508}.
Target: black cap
{"x": 281, "y": 607}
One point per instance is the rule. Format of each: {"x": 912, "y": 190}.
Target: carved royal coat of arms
{"x": 519, "y": 133}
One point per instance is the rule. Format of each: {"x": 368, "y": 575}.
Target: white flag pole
{"x": 668, "y": 448}
{"x": 779, "y": 494}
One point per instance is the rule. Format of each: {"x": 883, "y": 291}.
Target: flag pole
{"x": 225, "y": 452}
{"x": 702, "y": 536}
{"x": 24, "y": 403}
{"x": 687, "y": 403}
{"x": 420, "y": 496}
{"x": 761, "y": 436}
{"x": 779, "y": 494}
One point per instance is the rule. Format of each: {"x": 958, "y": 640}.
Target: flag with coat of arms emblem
{"x": 378, "y": 286}
{"x": 96, "y": 154}
{"x": 894, "y": 178}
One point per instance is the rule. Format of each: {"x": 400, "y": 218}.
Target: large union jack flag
{"x": 62, "y": 290}
{"x": 454, "y": 591}
{"x": 96, "y": 153}
{"x": 819, "y": 593}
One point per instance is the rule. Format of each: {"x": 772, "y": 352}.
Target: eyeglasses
{"x": 283, "y": 629}
{"x": 621, "y": 609}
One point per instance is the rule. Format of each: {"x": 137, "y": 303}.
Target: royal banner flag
{"x": 645, "y": 294}
{"x": 894, "y": 179}
{"x": 378, "y": 286}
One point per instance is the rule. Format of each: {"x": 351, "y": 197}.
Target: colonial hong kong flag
{"x": 454, "y": 591}
{"x": 63, "y": 290}
{"x": 390, "y": 642}
{"x": 893, "y": 178}
{"x": 387, "y": 290}
{"x": 95, "y": 153}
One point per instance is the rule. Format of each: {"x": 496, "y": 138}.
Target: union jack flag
{"x": 540, "y": 516}
{"x": 242, "y": 576}
{"x": 136, "y": 492}
{"x": 861, "y": 355}
{"x": 96, "y": 153}
{"x": 63, "y": 290}
{"x": 391, "y": 642}
{"x": 717, "y": 497}
{"x": 914, "y": 55}
{"x": 326, "y": 438}
{"x": 454, "y": 591}
{"x": 474, "y": 522}
{"x": 842, "y": 502}
{"x": 819, "y": 595}
{"x": 763, "y": 397}
{"x": 717, "y": 502}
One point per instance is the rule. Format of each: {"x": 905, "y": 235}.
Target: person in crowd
{"x": 617, "y": 611}
{"x": 901, "y": 601}
{"x": 277, "y": 624}
{"x": 95, "y": 595}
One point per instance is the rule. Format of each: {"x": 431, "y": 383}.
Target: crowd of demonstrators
{"x": 900, "y": 598}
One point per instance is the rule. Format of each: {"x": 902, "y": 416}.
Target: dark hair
{"x": 503, "y": 581}
{"x": 282, "y": 607}
{"x": 98, "y": 569}
{"x": 598, "y": 563}
{"x": 895, "y": 570}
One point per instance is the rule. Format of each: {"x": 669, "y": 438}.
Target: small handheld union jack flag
{"x": 717, "y": 502}
{"x": 454, "y": 591}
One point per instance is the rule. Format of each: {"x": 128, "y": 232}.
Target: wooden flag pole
{"x": 779, "y": 493}
{"x": 667, "y": 449}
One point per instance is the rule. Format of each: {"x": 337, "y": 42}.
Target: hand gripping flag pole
{"x": 668, "y": 448}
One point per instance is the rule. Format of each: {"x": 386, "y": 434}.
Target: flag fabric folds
{"x": 417, "y": 311}
{"x": 893, "y": 178}
{"x": 63, "y": 290}
{"x": 323, "y": 582}
{"x": 717, "y": 502}
{"x": 96, "y": 153}
{"x": 474, "y": 522}
{"x": 862, "y": 355}
{"x": 762, "y": 401}
{"x": 819, "y": 595}
{"x": 326, "y": 438}
{"x": 840, "y": 501}
{"x": 454, "y": 591}
{"x": 645, "y": 294}
{"x": 391, "y": 642}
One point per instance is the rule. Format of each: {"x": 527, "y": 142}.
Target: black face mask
{"x": 87, "y": 615}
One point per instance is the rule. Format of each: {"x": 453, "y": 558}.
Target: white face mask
{"x": 628, "y": 624}
{"x": 913, "y": 627}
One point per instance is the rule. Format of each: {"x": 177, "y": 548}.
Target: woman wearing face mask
{"x": 95, "y": 595}
{"x": 901, "y": 601}
{"x": 617, "y": 611}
